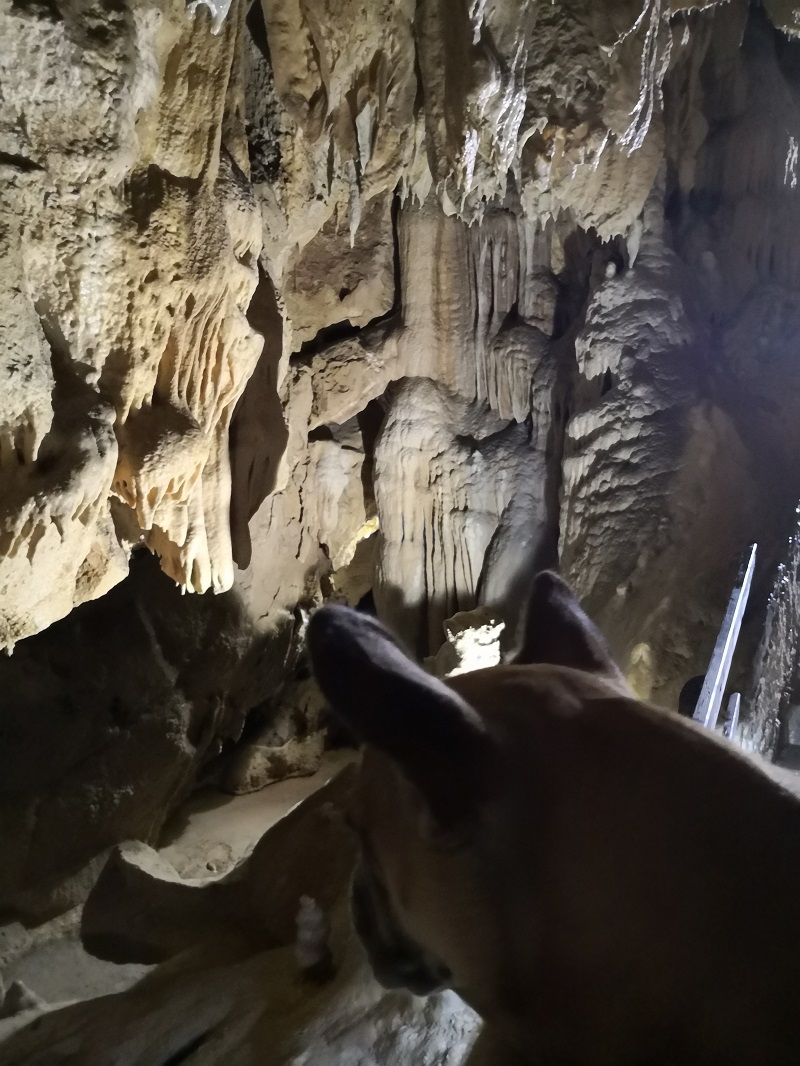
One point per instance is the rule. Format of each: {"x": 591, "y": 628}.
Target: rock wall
{"x": 366, "y": 298}
{"x": 131, "y": 237}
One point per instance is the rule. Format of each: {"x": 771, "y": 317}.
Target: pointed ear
{"x": 557, "y": 631}
{"x": 437, "y": 740}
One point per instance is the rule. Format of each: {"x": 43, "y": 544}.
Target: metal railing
{"x": 732, "y": 719}
{"x": 711, "y": 695}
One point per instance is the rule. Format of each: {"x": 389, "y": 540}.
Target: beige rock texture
{"x": 460, "y": 502}
{"x": 134, "y": 218}
{"x": 290, "y": 744}
{"x": 131, "y": 241}
{"x": 231, "y": 985}
{"x": 141, "y": 910}
{"x": 232, "y": 1002}
{"x": 387, "y": 302}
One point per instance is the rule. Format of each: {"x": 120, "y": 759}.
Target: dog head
{"x": 528, "y": 833}
{"x": 442, "y": 783}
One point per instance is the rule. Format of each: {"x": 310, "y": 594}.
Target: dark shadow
{"x": 108, "y": 719}
{"x": 370, "y": 422}
{"x": 258, "y": 433}
{"x": 689, "y": 695}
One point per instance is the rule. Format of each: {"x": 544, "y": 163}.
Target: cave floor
{"x": 205, "y": 838}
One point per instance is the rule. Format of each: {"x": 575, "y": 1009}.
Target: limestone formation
{"x": 460, "y": 498}
{"x": 131, "y": 236}
{"x": 472, "y": 642}
{"x": 290, "y": 744}
{"x": 643, "y": 518}
{"x": 690, "y": 453}
{"x": 135, "y": 211}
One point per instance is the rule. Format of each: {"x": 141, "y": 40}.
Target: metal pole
{"x": 732, "y": 718}
{"x": 708, "y": 705}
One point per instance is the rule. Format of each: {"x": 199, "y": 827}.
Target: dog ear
{"x": 557, "y": 631}
{"x": 435, "y": 737}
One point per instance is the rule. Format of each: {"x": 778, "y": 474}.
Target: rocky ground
{"x": 205, "y": 839}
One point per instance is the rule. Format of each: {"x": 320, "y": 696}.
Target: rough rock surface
{"x": 227, "y": 989}
{"x": 657, "y": 483}
{"x": 135, "y": 211}
{"x": 140, "y": 910}
{"x": 236, "y": 1002}
{"x": 106, "y": 720}
{"x": 460, "y": 498}
{"x": 290, "y": 744}
{"x": 686, "y": 451}
{"x": 131, "y": 238}
{"x": 392, "y": 302}
{"x": 472, "y": 642}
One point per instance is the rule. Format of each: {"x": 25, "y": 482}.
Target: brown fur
{"x": 604, "y": 882}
